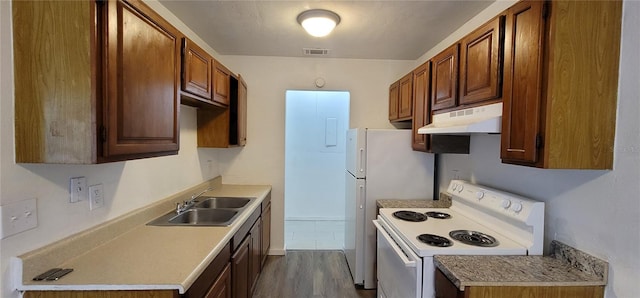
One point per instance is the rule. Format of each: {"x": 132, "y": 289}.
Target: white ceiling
{"x": 397, "y": 30}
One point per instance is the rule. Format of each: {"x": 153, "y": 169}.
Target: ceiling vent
{"x": 315, "y": 52}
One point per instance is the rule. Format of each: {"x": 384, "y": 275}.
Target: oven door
{"x": 399, "y": 268}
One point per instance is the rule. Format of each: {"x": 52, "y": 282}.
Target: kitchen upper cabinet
{"x": 405, "y": 100}
{"x": 394, "y": 97}
{"x": 196, "y": 70}
{"x": 421, "y": 104}
{"x": 225, "y": 127}
{"x": 401, "y": 99}
{"x": 88, "y": 85}
{"x": 444, "y": 79}
{"x": 141, "y": 98}
{"x": 481, "y": 55}
{"x": 221, "y": 83}
{"x": 560, "y": 84}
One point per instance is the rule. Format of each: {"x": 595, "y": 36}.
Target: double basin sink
{"x": 206, "y": 211}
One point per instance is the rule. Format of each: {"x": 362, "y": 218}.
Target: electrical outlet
{"x": 18, "y": 217}
{"x": 96, "y": 196}
{"x": 78, "y": 189}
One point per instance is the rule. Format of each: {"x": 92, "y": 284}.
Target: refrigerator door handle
{"x": 361, "y": 196}
{"x": 361, "y": 160}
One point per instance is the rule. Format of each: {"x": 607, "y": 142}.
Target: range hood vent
{"x": 315, "y": 51}
{"x": 482, "y": 119}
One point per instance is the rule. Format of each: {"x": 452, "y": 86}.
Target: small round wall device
{"x": 319, "y": 82}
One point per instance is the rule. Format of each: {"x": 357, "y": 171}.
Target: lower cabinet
{"x": 266, "y": 230}
{"x": 222, "y": 286}
{"x": 240, "y": 270}
{"x": 255, "y": 257}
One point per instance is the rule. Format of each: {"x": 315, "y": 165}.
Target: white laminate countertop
{"x": 140, "y": 257}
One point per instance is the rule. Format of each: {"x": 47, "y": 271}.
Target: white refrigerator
{"x": 380, "y": 165}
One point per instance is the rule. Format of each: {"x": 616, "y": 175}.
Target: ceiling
{"x": 396, "y": 30}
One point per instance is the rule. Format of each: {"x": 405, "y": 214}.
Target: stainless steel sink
{"x": 205, "y": 217}
{"x": 197, "y": 217}
{"x": 207, "y": 211}
{"x": 222, "y": 202}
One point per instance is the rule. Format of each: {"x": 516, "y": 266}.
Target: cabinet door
{"x": 221, "y": 288}
{"x": 240, "y": 270}
{"x": 444, "y": 288}
{"x": 481, "y": 63}
{"x": 242, "y": 112}
{"x": 266, "y": 232}
{"x": 421, "y": 111}
{"x": 196, "y": 70}
{"x": 255, "y": 258}
{"x": 221, "y": 83}
{"x": 405, "y": 104}
{"x": 394, "y": 96}
{"x": 521, "y": 112}
{"x": 141, "y": 81}
{"x": 444, "y": 79}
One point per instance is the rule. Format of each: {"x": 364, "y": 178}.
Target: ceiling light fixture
{"x": 318, "y": 22}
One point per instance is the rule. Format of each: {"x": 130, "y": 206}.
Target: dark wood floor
{"x": 308, "y": 273}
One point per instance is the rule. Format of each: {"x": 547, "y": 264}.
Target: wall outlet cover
{"x": 78, "y": 189}
{"x": 96, "y": 196}
{"x": 18, "y": 217}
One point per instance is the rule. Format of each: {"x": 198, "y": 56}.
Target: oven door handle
{"x": 396, "y": 248}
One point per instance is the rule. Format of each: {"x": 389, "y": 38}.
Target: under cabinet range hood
{"x": 482, "y": 119}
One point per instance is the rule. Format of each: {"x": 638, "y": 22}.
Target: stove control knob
{"x": 517, "y": 207}
{"x": 506, "y": 203}
{"x": 480, "y": 195}
{"x": 460, "y": 188}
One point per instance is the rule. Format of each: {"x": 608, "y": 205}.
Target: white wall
{"x": 315, "y": 154}
{"x": 268, "y": 78}
{"x": 595, "y": 211}
{"x": 127, "y": 185}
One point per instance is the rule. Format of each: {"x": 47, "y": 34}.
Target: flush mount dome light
{"x": 318, "y": 22}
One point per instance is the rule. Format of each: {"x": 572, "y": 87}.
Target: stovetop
{"x": 410, "y": 231}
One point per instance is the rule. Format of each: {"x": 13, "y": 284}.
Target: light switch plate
{"x": 18, "y": 217}
{"x": 78, "y": 189}
{"x": 96, "y": 196}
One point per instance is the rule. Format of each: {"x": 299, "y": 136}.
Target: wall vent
{"x": 315, "y": 52}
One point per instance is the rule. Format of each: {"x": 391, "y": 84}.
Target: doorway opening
{"x": 316, "y": 123}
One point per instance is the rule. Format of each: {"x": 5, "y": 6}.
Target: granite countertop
{"x": 126, "y": 254}
{"x": 443, "y": 202}
{"x": 566, "y": 267}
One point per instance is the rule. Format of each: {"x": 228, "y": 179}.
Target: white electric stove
{"x": 480, "y": 221}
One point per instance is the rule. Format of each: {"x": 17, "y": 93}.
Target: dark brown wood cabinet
{"x": 88, "y": 85}
{"x": 240, "y": 264}
{"x": 224, "y": 127}
{"x": 405, "y": 99}
{"x": 140, "y": 95}
{"x": 255, "y": 258}
{"x": 196, "y": 70}
{"x": 560, "y": 83}
{"x": 421, "y": 106}
{"x": 266, "y": 228}
{"x": 394, "y": 98}
{"x": 221, "y": 83}
{"x": 221, "y": 287}
{"x": 444, "y": 79}
{"x": 481, "y": 56}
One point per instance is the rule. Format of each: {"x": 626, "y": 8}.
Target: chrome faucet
{"x": 182, "y": 207}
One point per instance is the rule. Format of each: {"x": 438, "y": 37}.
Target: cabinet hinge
{"x": 103, "y": 133}
{"x": 538, "y": 141}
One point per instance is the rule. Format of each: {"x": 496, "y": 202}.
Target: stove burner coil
{"x": 438, "y": 215}
{"x": 410, "y": 216}
{"x": 434, "y": 240}
{"x": 474, "y": 238}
